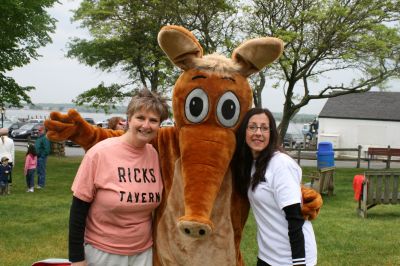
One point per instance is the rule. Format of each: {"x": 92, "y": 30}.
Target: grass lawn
{"x": 34, "y": 225}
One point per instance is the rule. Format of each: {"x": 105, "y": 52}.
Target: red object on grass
{"x": 357, "y": 186}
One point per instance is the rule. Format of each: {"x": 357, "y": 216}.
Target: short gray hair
{"x": 149, "y": 101}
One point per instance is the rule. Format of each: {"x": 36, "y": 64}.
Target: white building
{"x": 370, "y": 119}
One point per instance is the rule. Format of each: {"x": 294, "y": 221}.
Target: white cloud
{"x": 59, "y": 79}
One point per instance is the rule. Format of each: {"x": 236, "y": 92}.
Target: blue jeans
{"x": 30, "y": 178}
{"x": 41, "y": 170}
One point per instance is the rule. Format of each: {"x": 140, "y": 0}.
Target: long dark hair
{"x": 243, "y": 159}
{"x": 31, "y": 150}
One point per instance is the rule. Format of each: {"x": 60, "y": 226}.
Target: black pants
{"x": 261, "y": 262}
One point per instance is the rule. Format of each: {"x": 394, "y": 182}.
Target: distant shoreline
{"x": 294, "y": 127}
{"x": 47, "y": 108}
{"x": 27, "y": 114}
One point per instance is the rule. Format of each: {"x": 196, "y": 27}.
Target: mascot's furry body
{"x": 201, "y": 218}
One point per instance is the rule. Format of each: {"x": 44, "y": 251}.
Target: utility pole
{"x": 2, "y": 115}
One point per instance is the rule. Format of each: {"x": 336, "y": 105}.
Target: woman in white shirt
{"x": 271, "y": 180}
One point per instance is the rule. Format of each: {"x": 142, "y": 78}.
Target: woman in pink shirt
{"x": 30, "y": 167}
{"x": 116, "y": 189}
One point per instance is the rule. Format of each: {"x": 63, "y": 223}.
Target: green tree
{"x": 124, "y": 38}
{"x": 24, "y": 27}
{"x": 322, "y": 37}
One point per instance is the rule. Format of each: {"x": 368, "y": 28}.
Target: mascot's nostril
{"x": 195, "y": 229}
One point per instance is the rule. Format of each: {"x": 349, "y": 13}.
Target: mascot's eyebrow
{"x": 199, "y": 77}
{"x": 204, "y": 77}
{"x": 229, "y": 78}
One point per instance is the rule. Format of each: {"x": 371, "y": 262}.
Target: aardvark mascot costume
{"x": 201, "y": 218}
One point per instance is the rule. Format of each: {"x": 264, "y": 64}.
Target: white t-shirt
{"x": 281, "y": 188}
{"x": 7, "y": 149}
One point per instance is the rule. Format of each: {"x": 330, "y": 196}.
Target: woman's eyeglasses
{"x": 253, "y": 128}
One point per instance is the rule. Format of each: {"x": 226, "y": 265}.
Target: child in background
{"x": 5, "y": 170}
{"x": 30, "y": 166}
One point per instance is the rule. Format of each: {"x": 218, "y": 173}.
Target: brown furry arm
{"x": 312, "y": 203}
{"x": 239, "y": 213}
{"x": 72, "y": 126}
{"x": 166, "y": 143}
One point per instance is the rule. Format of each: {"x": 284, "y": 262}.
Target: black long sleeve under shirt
{"x": 77, "y": 223}
{"x": 296, "y": 236}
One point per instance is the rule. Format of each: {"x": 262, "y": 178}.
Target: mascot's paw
{"x": 61, "y": 127}
{"x": 312, "y": 202}
{"x": 72, "y": 126}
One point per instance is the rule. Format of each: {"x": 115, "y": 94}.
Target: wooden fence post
{"x": 298, "y": 155}
{"x": 359, "y": 156}
{"x": 58, "y": 148}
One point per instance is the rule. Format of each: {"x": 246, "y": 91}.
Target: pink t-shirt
{"x": 124, "y": 186}
{"x": 30, "y": 163}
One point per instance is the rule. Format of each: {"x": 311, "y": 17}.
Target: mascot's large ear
{"x": 253, "y": 55}
{"x": 180, "y": 45}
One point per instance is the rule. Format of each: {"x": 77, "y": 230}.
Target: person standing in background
{"x": 7, "y": 149}
{"x": 43, "y": 147}
{"x": 117, "y": 123}
{"x": 30, "y": 167}
{"x": 5, "y": 170}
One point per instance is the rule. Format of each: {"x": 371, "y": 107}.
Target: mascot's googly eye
{"x": 196, "y": 105}
{"x": 228, "y": 109}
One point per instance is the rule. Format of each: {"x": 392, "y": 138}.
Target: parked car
{"x": 14, "y": 126}
{"x": 167, "y": 123}
{"x": 71, "y": 143}
{"x": 291, "y": 140}
{"x": 36, "y": 120}
{"x": 24, "y": 132}
{"x": 90, "y": 120}
{"x": 103, "y": 124}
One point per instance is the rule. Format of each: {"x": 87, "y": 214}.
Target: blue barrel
{"x": 325, "y": 155}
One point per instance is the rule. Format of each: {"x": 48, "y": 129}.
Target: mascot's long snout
{"x": 206, "y": 153}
